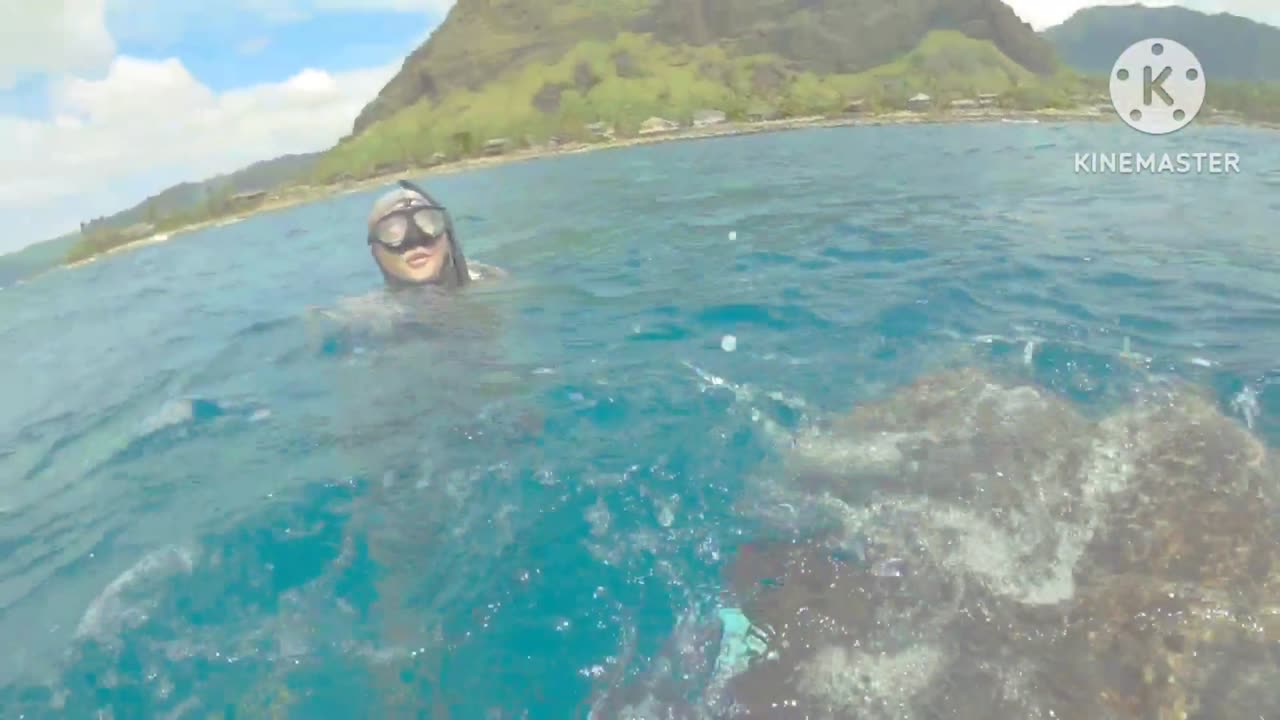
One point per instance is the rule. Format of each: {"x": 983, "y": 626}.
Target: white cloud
{"x": 1045, "y": 13}
{"x": 148, "y": 125}
{"x": 52, "y": 36}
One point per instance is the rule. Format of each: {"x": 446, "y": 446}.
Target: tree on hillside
{"x": 464, "y": 143}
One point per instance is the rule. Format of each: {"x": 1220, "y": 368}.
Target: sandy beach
{"x": 290, "y": 197}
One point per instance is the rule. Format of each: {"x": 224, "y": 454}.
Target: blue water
{"x": 214, "y": 504}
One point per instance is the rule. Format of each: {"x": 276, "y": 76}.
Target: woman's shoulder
{"x": 480, "y": 271}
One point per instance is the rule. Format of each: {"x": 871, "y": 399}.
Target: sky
{"x": 105, "y": 102}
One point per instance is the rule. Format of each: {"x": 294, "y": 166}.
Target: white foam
{"x": 876, "y": 453}
{"x": 1002, "y": 547}
{"x": 123, "y": 603}
{"x": 599, "y": 518}
{"x": 172, "y": 413}
{"x": 666, "y": 511}
{"x": 866, "y": 685}
{"x": 1246, "y": 403}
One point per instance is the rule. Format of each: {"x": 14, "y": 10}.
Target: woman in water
{"x": 412, "y": 239}
{"x": 413, "y": 242}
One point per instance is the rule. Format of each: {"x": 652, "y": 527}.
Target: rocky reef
{"x": 970, "y": 549}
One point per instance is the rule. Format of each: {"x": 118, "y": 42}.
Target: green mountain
{"x": 1229, "y": 47}
{"x": 485, "y": 39}
{"x": 191, "y": 198}
{"x": 528, "y": 70}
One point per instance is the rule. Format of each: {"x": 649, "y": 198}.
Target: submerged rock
{"x": 1015, "y": 559}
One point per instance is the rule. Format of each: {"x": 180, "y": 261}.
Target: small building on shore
{"x": 856, "y": 106}
{"x": 707, "y": 118}
{"x": 137, "y": 231}
{"x": 987, "y": 100}
{"x": 920, "y": 102}
{"x": 246, "y": 201}
{"x": 496, "y": 146}
{"x": 600, "y": 131}
{"x": 964, "y": 104}
{"x": 387, "y": 168}
{"x": 763, "y": 113}
{"x": 658, "y": 126}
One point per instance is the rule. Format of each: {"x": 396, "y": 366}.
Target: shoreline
{"x": 309, "y": 194}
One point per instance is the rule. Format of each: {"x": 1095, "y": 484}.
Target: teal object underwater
{"x": 740, "y": 643}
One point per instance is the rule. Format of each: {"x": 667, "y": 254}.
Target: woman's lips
{"x": 417, "y": 259}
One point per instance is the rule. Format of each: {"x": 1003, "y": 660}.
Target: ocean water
{"x": 540, "y": 499}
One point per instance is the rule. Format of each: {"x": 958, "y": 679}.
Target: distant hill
{"x": 482, "y": 40}
{"x": 35, "y": 259}
{"x": 192, "y": 197}
{"x": 525, "y": 71}
{"x": 1229, "y": 47}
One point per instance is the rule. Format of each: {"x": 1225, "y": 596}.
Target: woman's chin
{"x": 422, "y": 274}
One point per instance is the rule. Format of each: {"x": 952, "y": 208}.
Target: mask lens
{"x": 430, "y": 221}
{"x": 391, "y": 231}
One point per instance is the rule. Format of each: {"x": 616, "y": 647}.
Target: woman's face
{"x": 417, "y": 264}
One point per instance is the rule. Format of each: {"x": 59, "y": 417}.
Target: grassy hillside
{"x": 633, "y": 77}
{"x": 194, "y": 197}
{"x": 1230, "y": 47}
{"x": 485, "y": 39}
{"x": 187, "y": 203}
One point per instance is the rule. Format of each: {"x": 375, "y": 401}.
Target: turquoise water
{"x": 517, "y": 502}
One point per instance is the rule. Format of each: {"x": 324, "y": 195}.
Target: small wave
{"x": 187, "y": 411}
{"x": 127, "y": 600}
{"x": 1247, "y": 406}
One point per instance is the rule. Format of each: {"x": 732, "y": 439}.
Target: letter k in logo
{"x": 1156, "y": 86}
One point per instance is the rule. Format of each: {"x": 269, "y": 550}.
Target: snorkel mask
{"x": 417, "y": 220}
